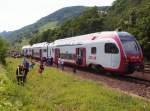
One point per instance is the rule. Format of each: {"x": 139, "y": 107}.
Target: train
{"x": 112, "y": 51}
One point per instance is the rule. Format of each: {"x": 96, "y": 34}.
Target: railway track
{"x": 133, "y": 78}
{"x": 141, "y": 77}
{"x": 136, "y": 80}
{"x": 146, "y": 68}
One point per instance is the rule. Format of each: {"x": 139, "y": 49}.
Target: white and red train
{"x": 112, "y": 51}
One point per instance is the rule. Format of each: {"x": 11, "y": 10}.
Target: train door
{"x": 81, "y": 56}
{"x": 57, "y": 55}
{"x": 40, "y": 54}
{"x": 107, "y": 56}
{"x": 112, "y": 55}
{"x": 32, "y": 53}
{"x": 115, "y": 56}
{"x": 49, "y": 52}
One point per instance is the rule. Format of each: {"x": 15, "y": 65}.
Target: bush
{"x": 3, "y": 50}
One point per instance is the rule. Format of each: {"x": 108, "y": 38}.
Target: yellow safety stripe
{"x": 19, "y": 73}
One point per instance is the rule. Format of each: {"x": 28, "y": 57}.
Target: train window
{"x": 111, "y": 48}
{"x": 130, "y": 46}
{"x": 67, "y": 56}
{"x": 93, "y": 50}
{"x": 44, "y": 50}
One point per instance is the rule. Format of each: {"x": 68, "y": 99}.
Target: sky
{"x": 15, "y": 14}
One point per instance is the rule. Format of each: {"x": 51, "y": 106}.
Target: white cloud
{"x": 15, "y": 14}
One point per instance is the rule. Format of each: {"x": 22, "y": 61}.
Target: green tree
{"x": 3, "y": 50}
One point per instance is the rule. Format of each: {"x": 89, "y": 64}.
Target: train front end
{"x": 133, "y": 56}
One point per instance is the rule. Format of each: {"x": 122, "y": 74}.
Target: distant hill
{"x": 49, "y": 22}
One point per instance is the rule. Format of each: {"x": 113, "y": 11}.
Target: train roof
{"x": 38, "y": 45}
{"x": 79, "y": 40}
{"x": 26, "y": 47}
{"x": 50, "y": 44}
{"x": 83, "y": 39}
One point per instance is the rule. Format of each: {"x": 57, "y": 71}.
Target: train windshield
{"x": 129, "y": 44}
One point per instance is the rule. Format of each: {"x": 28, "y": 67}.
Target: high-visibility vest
{"x": 20, "y": 73}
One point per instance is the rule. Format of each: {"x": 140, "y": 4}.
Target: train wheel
{"x": 90, "y": 68}
{"x": 99, "y": 69}
{"x": 96, "y": 68}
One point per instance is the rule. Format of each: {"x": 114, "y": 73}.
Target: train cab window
{"x": 93, "y": 50}
{"x": 111, "y": 48}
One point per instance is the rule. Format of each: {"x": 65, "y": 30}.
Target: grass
{"x": 59, "y": 91}
{"x": 5, "y": 96}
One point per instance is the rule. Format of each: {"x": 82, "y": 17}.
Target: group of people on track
{"x": 22, "y": 71}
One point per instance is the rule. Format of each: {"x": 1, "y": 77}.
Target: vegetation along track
{"x": 137, "y": 83}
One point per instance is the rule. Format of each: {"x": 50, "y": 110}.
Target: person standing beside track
{"x": 50, "y": 61}
{"x": 41, "y": 68}
{"x": 20, "y": 74}
{"x": 62, "y": 63}
{"x": 26, "y": 66}
{"x": 58, "y": 64}
{"x": 24, "y": 61}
